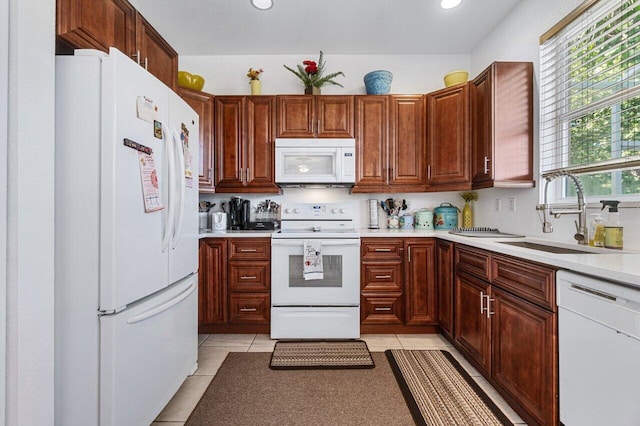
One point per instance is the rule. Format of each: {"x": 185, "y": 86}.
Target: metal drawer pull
{"x": 382, "y": 309}
{"x": 248, "y": 309}
{"x": 247, "y": 277}
{"x": 248, "y": 250}
{"x": 489, "y": 311}
{"x": 382, "y": 276}
{"x": 382, "y": 249}
{"x": 482, "y": 302}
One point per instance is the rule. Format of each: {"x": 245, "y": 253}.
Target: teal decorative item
{"x": 378, "y": 82}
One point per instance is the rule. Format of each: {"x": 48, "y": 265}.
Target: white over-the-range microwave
{"x": 315, "y": 162}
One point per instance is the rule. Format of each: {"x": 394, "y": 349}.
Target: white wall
{"x": 30, "y": 232}
{"x": 4, "y": 85}
{"x": 227, "y": 75}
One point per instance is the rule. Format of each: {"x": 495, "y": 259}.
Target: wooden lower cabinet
{"x": 212, "y": 281}
{"x": 397, "y": 277}
{"x": 235, "y": 285}
{"x": 523, "y": 357}
{"x": 506, "y": 326}
{"x": 444, "y": 284}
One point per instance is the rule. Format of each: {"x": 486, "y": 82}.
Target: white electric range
{"x": 327, "y": 305}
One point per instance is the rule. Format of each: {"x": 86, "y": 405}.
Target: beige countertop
{"x": 607, "y": 264}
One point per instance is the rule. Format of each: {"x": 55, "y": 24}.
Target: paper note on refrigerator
{"x": 188, "y": 158}
{"x": 150, "y": 187}
{"x": 146, "y": 109}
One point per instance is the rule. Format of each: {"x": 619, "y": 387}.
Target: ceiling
{"x": 235, "y": 27}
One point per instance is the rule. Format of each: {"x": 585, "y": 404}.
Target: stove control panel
{"x": 317, "y": 211}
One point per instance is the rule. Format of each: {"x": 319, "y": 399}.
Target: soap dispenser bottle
{"x": 596, "y": 230}
{"x": 612, "y": 227}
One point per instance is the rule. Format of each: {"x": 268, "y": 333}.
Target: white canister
{"x": 406, "y": 221}
{"x": 424, "y": 219}
{"x": 219, "y": 221}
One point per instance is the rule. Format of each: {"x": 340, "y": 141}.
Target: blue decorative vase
{"x": 378, "y": 82}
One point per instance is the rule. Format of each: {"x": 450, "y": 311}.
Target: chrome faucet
{"x": 549, "y": 210}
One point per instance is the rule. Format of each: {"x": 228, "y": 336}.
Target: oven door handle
{"x": 325, "y": 243}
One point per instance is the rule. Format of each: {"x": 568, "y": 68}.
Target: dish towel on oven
{"x": 312, "y": 268}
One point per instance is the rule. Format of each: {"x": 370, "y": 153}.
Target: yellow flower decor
{"x": 254, "y": 74}
{"x": 467, "y": 213}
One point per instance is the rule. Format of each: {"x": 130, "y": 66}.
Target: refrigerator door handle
{"x": 164, "y": 306}
{"x": 166, "y": 238}
{"x": 179, "y": 204}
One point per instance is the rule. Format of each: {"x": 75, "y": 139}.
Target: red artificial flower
{"x": 311, "y": 67}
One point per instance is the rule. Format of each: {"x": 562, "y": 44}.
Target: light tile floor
{"x": 213, "y": 349}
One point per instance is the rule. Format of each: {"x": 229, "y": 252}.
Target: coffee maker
{"x": 239, "y": 213}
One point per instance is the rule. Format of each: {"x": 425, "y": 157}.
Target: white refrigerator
{"x": 126, "y": 243}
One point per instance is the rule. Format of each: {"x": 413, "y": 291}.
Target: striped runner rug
{"x": 319, "y": 354}
{"x": 439, "y": 391}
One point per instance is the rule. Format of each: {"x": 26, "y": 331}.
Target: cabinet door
{"x": 481, "y": 119}
{"x": 444, "y": 280}
{"x": 372, "y": 141}
{"x": 448, "y": 139}
{"x": 260, "y": 140}
{"x": 212, "y": 281}
{"x": 420, "y": 290}
{"x": 228, "y": 119}
{"x": 295, "y": 116}
{"x": 202, "y": 103}
{"x": 502, "y": 126}
{"x": 407, "y": 171}
{"x": 471, "y": 325}
{"x": 334, "y": 115}
{"x": 155, "y": 54}
{"x": 524, "y": 356}
{"x": 97, "y": 24}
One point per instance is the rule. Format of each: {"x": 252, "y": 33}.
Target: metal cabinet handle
{"x": 489, "y": 311}
{"x": 382, "y": 276}
{"x": 247, "y": 277}
{"x": 409, "y": 254}
{"x": 247, "y": 250}
{"x": 146, "y": 64}
{"x": 482, "y": 302}
{"x": 429, "y": 172}
{"x": 247, "y": 173}
{"x": 382, "y": 309}
{"x": 382, "y": 249}
{"x": 486, "y": 165}
{"x": 136, "y": 56}
{"x": 248, "y": 309}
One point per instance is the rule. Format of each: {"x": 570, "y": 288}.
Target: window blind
{"x": 590, "y": 91}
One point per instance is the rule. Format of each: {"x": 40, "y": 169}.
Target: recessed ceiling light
{"x": 449, "y": 4}
{"x": 262, "y": 4}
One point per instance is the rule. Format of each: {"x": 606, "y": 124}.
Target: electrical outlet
{"x": 512, "y": 204}
{"x": 498, "y": 206}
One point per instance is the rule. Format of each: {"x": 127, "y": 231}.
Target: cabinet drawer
{"x": 253, "y": 276}
{"x": 383, "y": 308}
{"x": 474, "y": 261}
{"x": 381, "y": 248}
{"x": 249, "y": 248}
{"x": 532, "y": 281}
{"x": 245, "y": 308}
{"x": 382, "y": 276}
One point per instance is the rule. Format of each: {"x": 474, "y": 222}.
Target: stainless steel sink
{"x": 550, "y": 248}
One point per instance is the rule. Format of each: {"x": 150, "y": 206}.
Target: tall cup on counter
{"x": 373, "y": 214}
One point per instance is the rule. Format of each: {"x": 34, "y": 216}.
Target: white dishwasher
{"x": 599, "y": 351}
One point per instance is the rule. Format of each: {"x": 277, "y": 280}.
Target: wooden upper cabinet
{"x": 502, "y": 126}
{"x": 260, "y": 143}
{"x": 96, "y": 24}
{"x": 228, "y": 131}
{"x": 202, "y": 103}
{"x": 245, "y": 136}
{"x": 309, "y": 116}
{"x": 372, "y": 143}
{"x": 407, "y": 143}
{"x": 448, "y": 139}
{"x": 155, "y": 54}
